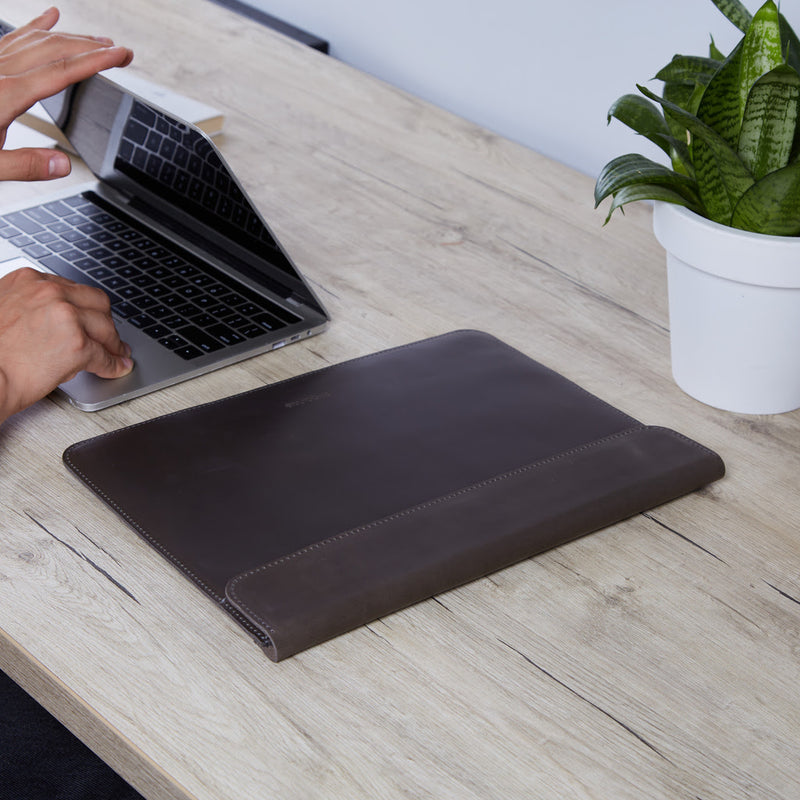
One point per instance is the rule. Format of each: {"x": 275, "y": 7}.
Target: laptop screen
{"x": 144, "y": 152}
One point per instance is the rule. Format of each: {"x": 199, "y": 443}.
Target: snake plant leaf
{"x": 771, "y": 205}
{"x": 735, "y": 11}
{"x": 719, "y": 105}
{"x": 687, "y": 98}
{"x": 722, "y": 177}
{"x": 685, "y": 95}
{"x": 761, "y": 49}
{"x": 646, "y": 119}
{"x": 770, "y": 117}
{"x": 644, "y": 191}
{"x": 688, "y": 70}
{"x": 634, "y": 170}
{"x": 714, "y": 52}
{"x": 642, "y": 116}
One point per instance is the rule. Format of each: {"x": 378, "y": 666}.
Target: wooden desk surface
{"x": 659, "y": 658}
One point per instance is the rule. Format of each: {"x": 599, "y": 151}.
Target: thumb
{"x": 33, "y": 164}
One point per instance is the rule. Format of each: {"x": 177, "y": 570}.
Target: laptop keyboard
{"x": 178, "y": 300}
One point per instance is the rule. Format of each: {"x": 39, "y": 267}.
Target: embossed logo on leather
{"x": 304, "y": 401}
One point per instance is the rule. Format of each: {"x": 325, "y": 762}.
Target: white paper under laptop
{"x": 196, "y": 278}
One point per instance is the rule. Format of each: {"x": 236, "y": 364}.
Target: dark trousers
{"x": 41, "y": 760}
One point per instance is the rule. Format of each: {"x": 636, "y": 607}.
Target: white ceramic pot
{"x": 734, "y": 311}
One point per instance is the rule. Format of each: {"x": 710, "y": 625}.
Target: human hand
{"x": 35, "y": 63}
{"x": 51, "y": 329}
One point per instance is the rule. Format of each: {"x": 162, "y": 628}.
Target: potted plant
{"x": 727, "y": 210}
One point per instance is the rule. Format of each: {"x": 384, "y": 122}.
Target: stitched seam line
{"x": 436, "y": 501}
{"x": 254, "y": 615}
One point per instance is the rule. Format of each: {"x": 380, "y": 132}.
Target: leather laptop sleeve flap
{"x": 312, "y": 506}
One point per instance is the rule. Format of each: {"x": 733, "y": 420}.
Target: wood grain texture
{"x": 656, "y": 659}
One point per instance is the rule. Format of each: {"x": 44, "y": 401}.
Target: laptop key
{"x": 115, "y": 282}
{"x": 40, "y": 214}
{"x": 136, "y": 132}
{"x": 145, "y": 262}
{"x": 141, "y": 320}
{"x": 59, "y": 247}
{"x": 225, "y": 334}
{"x": 125, "y": 310}
{"x": 114, "y": 262}
{"x": 251, "y": 330}
{"x": 129, "y": 292}
{"x": 189, "y": 352}
{"x": 24, "y": 223}
{"x": 159, "y": 312}
{"x": 173, "y": 341}
{"x": 98, "y": 273}
{"x": 203, "y": 320}
{"x": 58, "y": 208}
{"x": 268, "y": 322}
{"x": 36, "y": 250}
{"x": 199, "y": 338}
{"x": 156, "y": 331}
{"x": 145, "y": 302}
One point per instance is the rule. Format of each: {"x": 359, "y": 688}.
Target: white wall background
{"x": 540, "y": 72}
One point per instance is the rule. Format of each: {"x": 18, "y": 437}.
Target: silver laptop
{"x": 196, "y": 278}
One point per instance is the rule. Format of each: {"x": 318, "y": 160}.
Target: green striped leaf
{"x": 642, "y": 116}
{"x": 644, "y": 191}
{"x": 761, "y": 49}
{"x": 770, "y": 117}
{"x": 689, "y": 70}
{"x": 684, "y": 96}
{"x": 719, "y": 107}
{"x": 646, "y": 119}
{"x": 634, "y": 169}
{"x": 735, "y": 11}
{"x": 722, "y": 178}
{"x": 714, "y": 52}
{"x": 772, "y": 205}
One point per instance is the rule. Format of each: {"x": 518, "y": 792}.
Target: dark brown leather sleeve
{"x": 312, "y": 506}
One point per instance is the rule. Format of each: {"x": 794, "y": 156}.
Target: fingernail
{"x": 59, "y": 165}
{"x": 104, "y": 40}
{"x": 128, "y": 364}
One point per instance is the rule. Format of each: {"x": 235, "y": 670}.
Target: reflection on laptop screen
{"x": 126, "y": 141}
